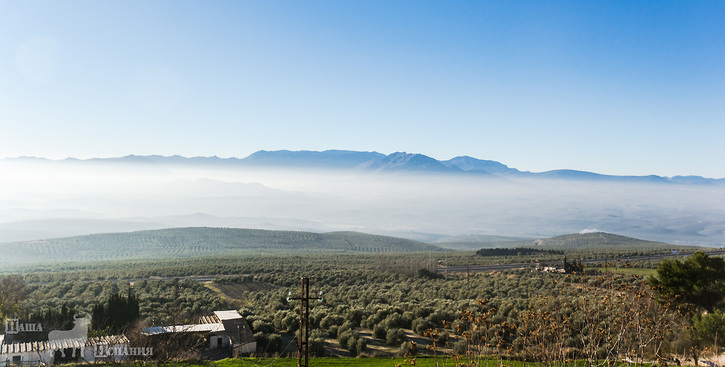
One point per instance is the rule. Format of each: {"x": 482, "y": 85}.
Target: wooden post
{"x": 307, "y": 321}
{"x": 300, "y": 340}
{"x": 304, "y": 331}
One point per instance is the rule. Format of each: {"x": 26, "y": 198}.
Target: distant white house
{"x": 548, "y": 269}
{"x": 225, "y": 329}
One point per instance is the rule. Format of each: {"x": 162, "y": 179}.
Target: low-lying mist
{"x": 43, "y": 199}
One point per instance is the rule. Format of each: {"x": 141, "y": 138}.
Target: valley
{"x": 466, "y": 201}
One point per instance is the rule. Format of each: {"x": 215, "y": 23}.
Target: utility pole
{"x": 304, "y": 340}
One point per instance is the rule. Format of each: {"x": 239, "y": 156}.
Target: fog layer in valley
{"x": 44, "y": 199}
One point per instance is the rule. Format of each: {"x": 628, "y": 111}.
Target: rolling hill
{"x": 199, "y": 241}
{"x": 591, "y": 241}
{"x": 476, "y": 241}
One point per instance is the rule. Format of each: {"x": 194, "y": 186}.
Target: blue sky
{"x": 616, "y": 87}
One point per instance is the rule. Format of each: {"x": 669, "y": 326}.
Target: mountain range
{"x": 378, "y": 162}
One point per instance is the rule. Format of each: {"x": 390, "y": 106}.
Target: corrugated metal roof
{"x": 107, "y": 340}
{"x": 228, "y": 315}
{"x": 207, "y": 324}
{"x": 209, "y": 320}
{"x": 16, "y": 348}
{"x": 194, "y": 328}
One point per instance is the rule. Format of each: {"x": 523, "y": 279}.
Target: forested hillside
{"x": 199, "y": 241}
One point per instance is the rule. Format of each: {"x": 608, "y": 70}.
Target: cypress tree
{"x": 117, "y": 314}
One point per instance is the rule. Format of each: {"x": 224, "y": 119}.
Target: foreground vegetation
{"x": 425, "y": 361}
{"x": 396, "y": 305}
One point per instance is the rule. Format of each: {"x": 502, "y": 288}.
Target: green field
{"x": 362, "y": 362}
{"x": 424, "y": 361}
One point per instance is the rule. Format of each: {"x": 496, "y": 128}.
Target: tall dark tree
{"x": 695, "y": 286}
{"x": 52, "y": 319}
{"x": 117, "y": 314}
{"x": 697, "y": 283}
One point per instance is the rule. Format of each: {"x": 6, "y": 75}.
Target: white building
{"x": 46, "y": 352}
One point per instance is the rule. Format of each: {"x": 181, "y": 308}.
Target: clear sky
{"x": 616, "y": 87}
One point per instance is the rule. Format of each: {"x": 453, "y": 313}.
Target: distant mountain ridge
{"x": 305, "y": 159}
{"x": 394, "y": 162}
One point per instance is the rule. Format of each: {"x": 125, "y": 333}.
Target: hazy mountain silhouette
{"x": 378, "y": 162}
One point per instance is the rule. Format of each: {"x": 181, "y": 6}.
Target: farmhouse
{"x": 61, "y": 351}
{"x": 227, "y": 333}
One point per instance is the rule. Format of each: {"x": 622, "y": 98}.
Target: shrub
{"x": 395, "y": 337}
{"x": 345, "y": 337}
{"x": 355, "y": 317}
{"x": 332, "y": 331}
{"x": 425, "y": 273}
{"x": 317, "y": 346}
{"x": 408, "y": 348}
{"x": 393, "y": 321}
{"x": 421, "y": 325}
{"x": 380, "y": 332}
{"x": 268, "y": 344}
{"x": 442, "y": 338}
{"x": 460, "y": 347}
{"x": 347, "y": 325}
{"x": 330, "y": 320}
{"x": 263, "y": 327}
{"x": 357, "y": 346}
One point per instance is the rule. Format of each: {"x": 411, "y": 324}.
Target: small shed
{"x": 223, "y": 330}
{"x": 236, "y": 333}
